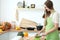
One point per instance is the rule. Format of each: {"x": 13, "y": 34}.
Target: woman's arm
{"x": 45, "y": 22}
{"x": 53, "y": 29}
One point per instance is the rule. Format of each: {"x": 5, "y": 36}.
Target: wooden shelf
{"x": 29, "y": 8}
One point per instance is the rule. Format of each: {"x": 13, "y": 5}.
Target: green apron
{"x": 54, "y": 35}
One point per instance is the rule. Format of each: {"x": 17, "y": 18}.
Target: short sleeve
{"x": 56, "y": 18}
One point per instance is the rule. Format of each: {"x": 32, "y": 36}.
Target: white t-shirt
{"x": 55, "y": 17}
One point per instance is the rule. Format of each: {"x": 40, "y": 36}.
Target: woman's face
{"x": 46, "y": 8}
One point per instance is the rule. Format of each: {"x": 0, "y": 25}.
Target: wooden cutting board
{"x": 27, "y": 23}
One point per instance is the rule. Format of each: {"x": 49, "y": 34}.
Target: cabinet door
{"x": 4, "y": 36}
{"x": 12, "y": 35}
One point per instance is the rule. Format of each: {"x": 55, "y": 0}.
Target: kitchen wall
{"x": 31, "y": 14}
{"x": 0, "y": 8}
{"x": 8, "y": 8}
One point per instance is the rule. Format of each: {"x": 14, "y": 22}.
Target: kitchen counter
{"x": 12, "y": 34}
{"x": 4, "y": 32}
{"x": 14, "y": 30}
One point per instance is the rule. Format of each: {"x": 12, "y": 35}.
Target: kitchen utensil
{"x": 30, "y": 28}
{"x": 39, "y": 27}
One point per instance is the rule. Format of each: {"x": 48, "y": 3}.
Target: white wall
{"x": 0, "y": 9}
{"x": 7, "y": 10}
{"x": 8, "y": 7}
{"x": 31, "y": 14}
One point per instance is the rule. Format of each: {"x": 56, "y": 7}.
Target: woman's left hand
{"x": 43, "y": 38}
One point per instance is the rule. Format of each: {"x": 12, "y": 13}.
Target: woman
{"x": 51, "y": 22}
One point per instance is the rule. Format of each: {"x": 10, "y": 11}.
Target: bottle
{"x": 23, "y": 4}
{"x": 25, "y": 34}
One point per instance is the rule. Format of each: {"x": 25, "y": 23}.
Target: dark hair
{"x": 49, "y": 4}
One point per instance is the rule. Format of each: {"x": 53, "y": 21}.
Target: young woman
{"x": 51, "y": 22}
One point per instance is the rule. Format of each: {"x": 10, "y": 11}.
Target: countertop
{"x": 14, "y": 30}
{"x": 4, "y": 32}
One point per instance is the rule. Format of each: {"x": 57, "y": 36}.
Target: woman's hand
{"x": 43, "y": 38}
{"x": 38, "y": 32}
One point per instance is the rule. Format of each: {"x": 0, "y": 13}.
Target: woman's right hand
{"x": 38, "y": 32}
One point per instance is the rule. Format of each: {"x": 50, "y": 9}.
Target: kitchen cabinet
{"x": 4, "y": 36}
{"x": 12, "y": 35}
{"x": 8, "y": 35}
